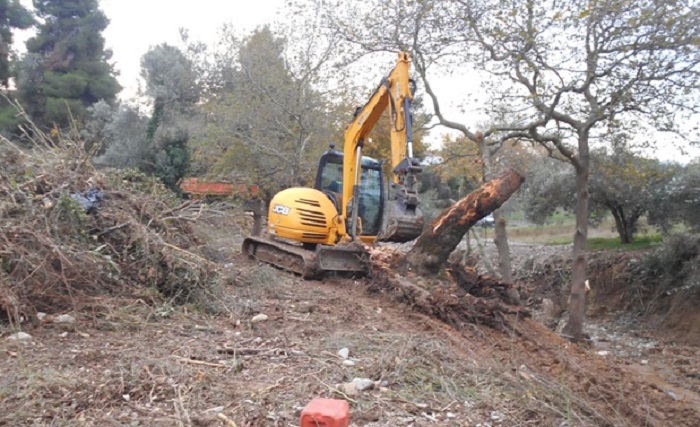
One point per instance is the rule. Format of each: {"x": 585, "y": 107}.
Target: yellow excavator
{"x": 314, "y": 230}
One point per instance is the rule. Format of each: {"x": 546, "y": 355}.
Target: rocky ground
{"x": 282, "y": 341}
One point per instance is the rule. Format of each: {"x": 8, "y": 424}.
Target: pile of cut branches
{"x": 56, "y": 255}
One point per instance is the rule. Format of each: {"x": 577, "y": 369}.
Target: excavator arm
{"x": 402, "y": 219}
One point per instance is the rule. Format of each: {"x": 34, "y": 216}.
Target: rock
{"x": 259, "y": 318}
{"x": 41, "y": 316}
{"x": 348, "y": 363}
{"x": 497, "y": 416}
{"x": 19, "y": 336}
{"x": 344, "y": 353}
{"x": 64, "y": 318}
{"x": 363, "y": 384}
{"x": 350, "y": 389}
{"x": 356, "y": 386}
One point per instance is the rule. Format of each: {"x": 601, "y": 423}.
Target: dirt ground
{"x": 139, "y": 364}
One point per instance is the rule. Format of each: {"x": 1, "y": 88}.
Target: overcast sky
{"x": 136, "y": 25}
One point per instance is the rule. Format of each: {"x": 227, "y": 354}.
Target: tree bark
{"x": 501, "y": 240}
{"x": 577, "y": 300}
{"x": 433, "y": 247}
{"x": 257, "y": 207}
{"x": 500, "y": 235}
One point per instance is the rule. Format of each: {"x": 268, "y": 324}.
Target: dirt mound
{"x": 658, "y": 285}
{"x": 71, "y": 236}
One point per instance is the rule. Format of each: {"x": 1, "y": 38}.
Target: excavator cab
{"x": 329, "y": 180}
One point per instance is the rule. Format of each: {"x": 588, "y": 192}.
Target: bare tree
{"x": 580, "y": 69}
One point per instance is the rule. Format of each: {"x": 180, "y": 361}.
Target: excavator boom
{"x": 402, "y": 218}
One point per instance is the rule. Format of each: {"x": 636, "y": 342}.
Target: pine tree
{"x": 12, "y": 15}
{"x": 66, "y": 68}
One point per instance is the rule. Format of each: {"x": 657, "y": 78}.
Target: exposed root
{"x": 465, "y": 298}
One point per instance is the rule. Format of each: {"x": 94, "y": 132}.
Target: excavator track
{"x": 307, "y": 263}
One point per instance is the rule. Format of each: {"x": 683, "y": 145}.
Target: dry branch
{"x": 199, "y": 362}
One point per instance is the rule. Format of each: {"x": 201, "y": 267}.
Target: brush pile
{"x": 58, "y": 253}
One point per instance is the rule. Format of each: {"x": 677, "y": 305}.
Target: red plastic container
{"x": 326, "y": 413}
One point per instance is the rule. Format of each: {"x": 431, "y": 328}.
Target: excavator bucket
{"x": 342, "y": 257}
{"x": 403, "y": 220}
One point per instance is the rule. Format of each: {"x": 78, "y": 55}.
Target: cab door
{"x": 329, "y": 179}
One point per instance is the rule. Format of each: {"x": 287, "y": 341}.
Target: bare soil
{"x": 139, "y": 364}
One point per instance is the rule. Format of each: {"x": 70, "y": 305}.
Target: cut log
{"x": 433, "y": 247}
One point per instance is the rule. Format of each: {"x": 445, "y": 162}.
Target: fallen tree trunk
{"x": 433, "y": 247}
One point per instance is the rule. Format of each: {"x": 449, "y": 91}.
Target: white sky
{"x": 136, "y": 25}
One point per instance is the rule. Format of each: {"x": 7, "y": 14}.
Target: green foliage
{"x": 154, "y": 121}
{"x": 683, "y": 199}
{"x": 674, "y": 264}
{"x": 170, "y": 76}
{"x": 12, "y": 16}
{"x": 623, "y": 183}
{"x": 173, "y": 84}
{"x": 61, "y": 110}
{"x": 64, "y": 85}
{"x": 9, "y": 119}
{"x": 628, "y": 186}
{"x": 549, "y": 186}
{"x": 121, "y": 133}
{"x": 266, "y": 125}
{"x": 169, "y": 159}
{"x": 643, "y": 242}
{"x": 66, "y": 69}
{"x": 125, "y": 132}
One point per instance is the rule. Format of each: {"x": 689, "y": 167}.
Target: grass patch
{"x": 642, "y": 242}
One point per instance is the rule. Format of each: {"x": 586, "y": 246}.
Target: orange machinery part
{"x": 211, "y": 188}
{"x": 326, "y": 413}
